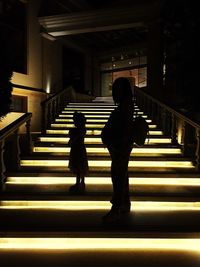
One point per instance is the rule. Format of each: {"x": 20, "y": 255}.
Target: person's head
{"x": 79, "y": 119}
{"x": 121, "y": 90}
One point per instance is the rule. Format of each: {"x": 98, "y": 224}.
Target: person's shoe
{"x": 74, "y": 188}
{"x": 81, "y": 187}
{"x": 125, "y": 208}
{"x": 112, "y": 216}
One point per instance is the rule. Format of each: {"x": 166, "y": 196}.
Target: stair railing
{"x": 52, "y": 106}
{"x": 9, "y": 142}
{"x": 183, "y": 131}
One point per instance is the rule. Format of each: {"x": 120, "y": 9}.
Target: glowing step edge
{"x": 107, "y": 163}
{"x": 102, "y": 244}
{"x": 91, "y": 116}
{"x": 93, "y": 132}
{"x": 194, "y": 182}
{"x": 100, "y": 126}
{"x": 89, "y": 140}
{"x": 96, "y": 150}
{"x": 88, "y": 108}
{"x": 88, "y": 111}
{"x": 98, "y": 205}
{"x": 90, "y": 120}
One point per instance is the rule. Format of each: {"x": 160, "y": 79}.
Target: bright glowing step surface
{"x": 156, "y": 181}
{"x": 185, "y": 244}
{"x": 101, "y": 150}
{"x": 102, "y": 116}
{"x": 94, "y": 108}
{"x": 107, "y": 163}
{"x": 98, "y": 205}
{"x": 92, "y": 132}
{"x": 96, "y": 140}
{"x": 88, "y": 111}
{"x": 92, "y": 125}
{"x": 89, "y": 120}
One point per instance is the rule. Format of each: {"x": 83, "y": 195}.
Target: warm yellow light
{"x": 192, "y": 182}
{"x": 98, "y": 108}
{"x": 98, "y": 126}
{"x": 102, "y": 243}
{"x": 93, "y": 112}
{"x": 89, "y": 108}
{"x": 137, "y": 206}
{"x": 101, "y": 150}
{"x": 88, "y": 132}
{"x": 94, "y": 104}
{"x": 91, "y": 120}
{"x": 90, "y": 140}
{"x": 107, "y": 163}
{"x": 87, "y": 116}
{"x": 88, "y": 120}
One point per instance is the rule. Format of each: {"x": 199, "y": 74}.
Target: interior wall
{"x": 44, "y": 67}
{"x": 33, "y": 78}
{"x": 52, "y": 66}
{"x": 34, "y": 99}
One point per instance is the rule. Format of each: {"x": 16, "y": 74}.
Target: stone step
{"x": 144, "y": 249}
{"x": 149, "y": 186}
{"x": 86, "y": 215}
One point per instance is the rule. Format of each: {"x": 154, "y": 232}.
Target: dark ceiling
{"x": 115, "y": 41}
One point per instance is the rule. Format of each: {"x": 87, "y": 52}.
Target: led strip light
{"x": 91, "y": 140}
{"x": 141, "y": 181}
{"x": 96, "y": 150}
{"x": 107, "y": 163}
{"x": 98, "y": 126}
{"x": 137, "y": 206}
{"x": 103, "y": 244}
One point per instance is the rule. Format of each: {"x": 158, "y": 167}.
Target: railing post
{"x": 183, "y": 139}
{"x": 2, "y": 165}
{"x": 28, "y": 137}
{"x": 44, "y": 118}
{"x": 163, "y": 120}
{"x": 174, "y": 130}
{"x": 15, "y": 152}
{"x": 197, "y": 153}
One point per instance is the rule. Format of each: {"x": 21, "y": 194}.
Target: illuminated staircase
{"x": 42, "y": 222}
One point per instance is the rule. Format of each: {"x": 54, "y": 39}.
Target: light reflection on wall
{"x": 48, "y": 85}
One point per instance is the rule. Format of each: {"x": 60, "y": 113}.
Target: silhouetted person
{"x": 78, "y": 162}
{"x": 118, "y": 138}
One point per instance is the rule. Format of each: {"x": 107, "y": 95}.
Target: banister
{"x": 183, "y": 130}
{"x": 10, "y": 133}
{"x": 52, "y": 106}
{"x": 53, "y": 97}
{"x": 178, "y": 114}
{"x": 6, "y": 131}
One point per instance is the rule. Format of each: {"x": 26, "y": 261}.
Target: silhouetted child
{"x": 78, "y": 162}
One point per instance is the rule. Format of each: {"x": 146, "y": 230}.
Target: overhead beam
{"x": 99, "y": 20}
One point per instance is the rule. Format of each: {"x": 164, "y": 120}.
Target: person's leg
{"x": 120, "y": 180}
{"x": 118, "y": 169}
{"x": 82, "y": 184}
{"x": 74, "y": 188}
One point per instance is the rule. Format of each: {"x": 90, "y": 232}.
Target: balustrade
{"x": 52, "y": 106}
{"x": 182, "y": 130}
{"x": 9, "y": 135}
